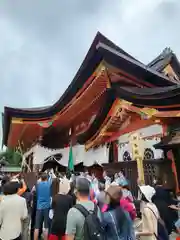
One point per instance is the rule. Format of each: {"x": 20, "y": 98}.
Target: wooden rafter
{"x": 91, "y": 94}
{"x": 116, "y": 114}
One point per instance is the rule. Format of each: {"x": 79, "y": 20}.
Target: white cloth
{"x": 51, "y": 213}
{"x": 13, "y": 210}
{"x": 40, "y": 154}
{"x": 99, "y": 155}
{"x": 14, "y": 180}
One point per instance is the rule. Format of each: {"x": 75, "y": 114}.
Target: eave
{"x": 169, "y": 142}
{"x": 126, "y": 116}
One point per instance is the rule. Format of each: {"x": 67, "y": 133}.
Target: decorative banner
{"x": 100, "y": 69}
{"x": 125, "y": 103}
{"x": 83, "y": 126}
{"x": 42, "y": 154}
{"x": 45, "y": 124}
{"x": 149, "y": 112}
{"x": 17, "y": 121}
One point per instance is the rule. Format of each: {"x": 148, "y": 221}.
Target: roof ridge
{"x": 166, "y": 52}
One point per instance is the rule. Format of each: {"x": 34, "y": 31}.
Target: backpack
{"x": 92, "y": 225}
{"x": 162, "y": 232}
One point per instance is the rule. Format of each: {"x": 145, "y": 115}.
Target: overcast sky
{"x": 43, "y": 42}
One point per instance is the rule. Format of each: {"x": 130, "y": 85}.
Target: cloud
{"x": 42, "y": 43}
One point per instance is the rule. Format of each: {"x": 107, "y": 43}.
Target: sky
{"x": 43, "y": 43}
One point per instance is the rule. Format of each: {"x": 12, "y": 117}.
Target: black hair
{"x": 126, "y": 187}
{"x": 102, "y": 180}
{"x": 83, "y": 186}
{"x": 84, "y": 193}
{"x": 143, "y": 198}
{"x": 101, "y": 186}
{"x": 159, "y": 182}
{"x": 5, "y": 180}
{"x": 10, "y": 188}
{"x": 44, "y": 176}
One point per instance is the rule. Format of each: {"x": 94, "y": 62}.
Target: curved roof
{"x": 164, "y": 59}
{"x": 102, "y": 49}
{"x": 163, "y": 99}
{"x": 90, "y": 63}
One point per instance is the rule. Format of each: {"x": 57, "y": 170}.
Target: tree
{"x": 12, "y": 157}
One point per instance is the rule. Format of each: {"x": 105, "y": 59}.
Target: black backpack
{"x": 93, "y": 229}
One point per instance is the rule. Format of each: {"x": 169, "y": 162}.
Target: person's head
{"x": 159, "y": 182}
{"x": 44, "y": 177}
{"x": 113, "y": 196}
{"x": 39, "y": 175}
{"x": 116, "y": 176}
{"x": 82, "y": 188}
{"x": 147, "y": 193}
{"x": 5, "y": 180}
{"x": 101, "y": 186}
{"x": 10, "y": 188}
{"x": 123, "y": 183}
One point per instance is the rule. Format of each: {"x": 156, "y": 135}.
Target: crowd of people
{"x": 83, "y": 207}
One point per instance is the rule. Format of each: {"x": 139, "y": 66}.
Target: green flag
{"x": 70, "y": 162}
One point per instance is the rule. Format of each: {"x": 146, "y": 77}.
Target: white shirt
{"x": 13, "y": 210}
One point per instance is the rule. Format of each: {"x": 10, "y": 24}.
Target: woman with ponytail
{"x": 117, "y": 222}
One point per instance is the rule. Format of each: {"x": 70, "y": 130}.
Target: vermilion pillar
{"x": 171, "y": 157}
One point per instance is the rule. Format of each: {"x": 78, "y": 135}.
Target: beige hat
{"x": 114, "y": 192}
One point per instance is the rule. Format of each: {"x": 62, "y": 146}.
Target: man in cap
{"x": 75, "y": 219}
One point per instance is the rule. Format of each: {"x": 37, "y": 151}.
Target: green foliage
{"x": 12, "y": 157}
